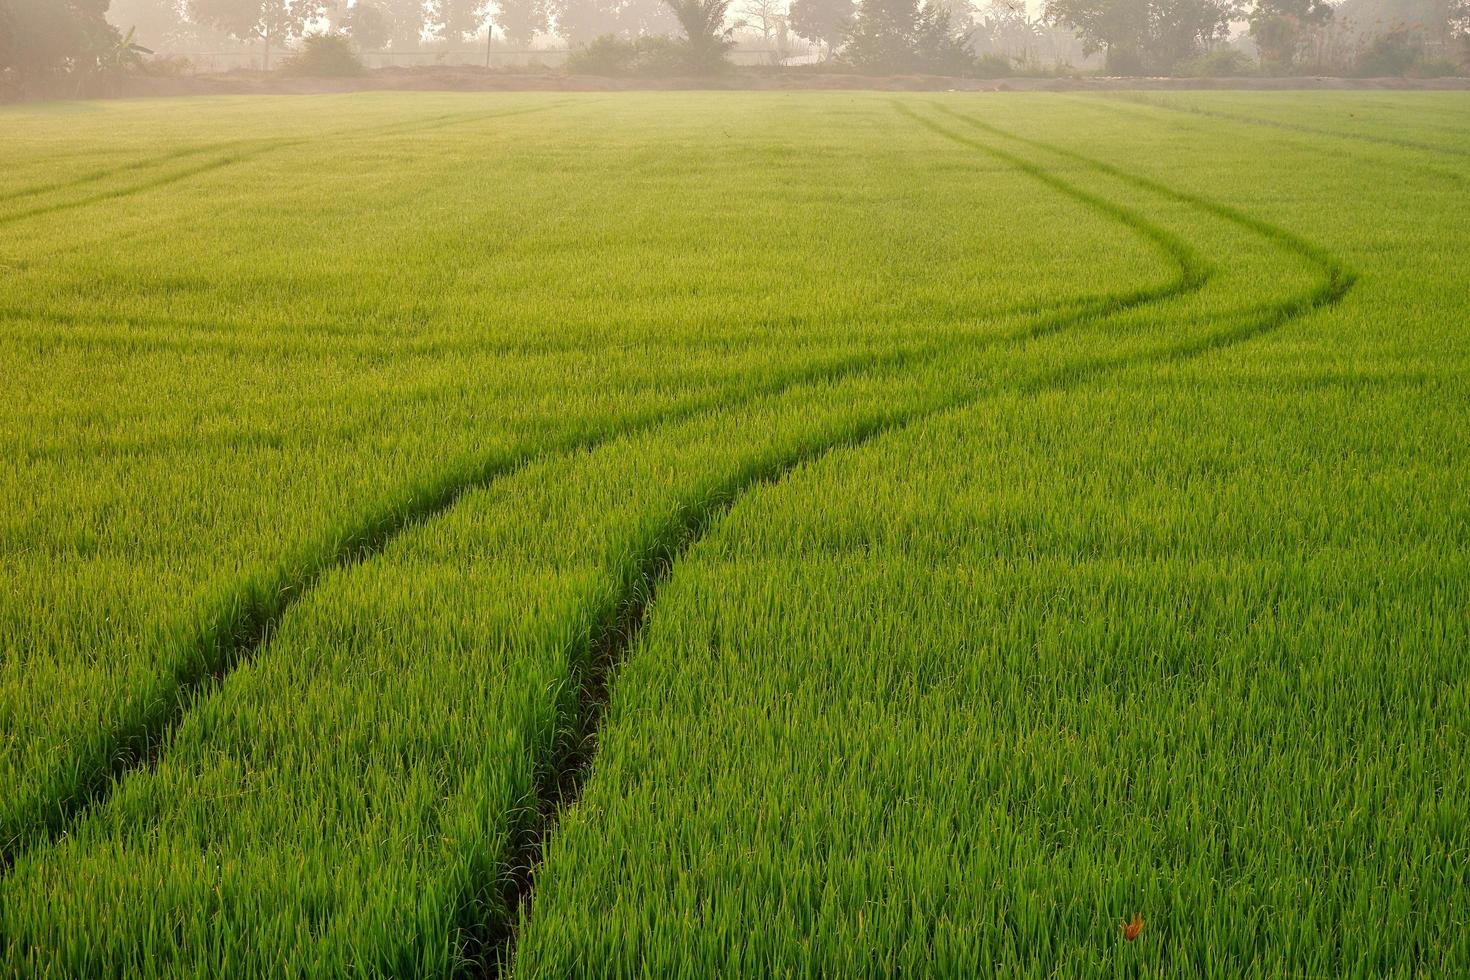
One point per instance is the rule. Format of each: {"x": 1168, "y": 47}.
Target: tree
{"x": 1145, "y": 35}
{"x": 1460, "y": 28}
{"x": 940, "y": 45}
{"x": 45, "y": 41}
{"x": 273, "y": 21}
{"x": 368, "y": 26}
{"x": 766, "y": 15}
{"x": 706, "y": 37}
{"x": 1279, "y": 26}
{"x": 822, "y": 21}
{"x": 521, "y": 20}
{"x": 882, "y": 36}
{"x": 583, "y": 21}
{"x": 405, "y": 22}
{"x": 454, "y": 19}
{"x": 891, "y": 36}
{"x": 154, "y": 22}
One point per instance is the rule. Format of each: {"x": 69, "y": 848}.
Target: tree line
{"x": 45, "y": 41}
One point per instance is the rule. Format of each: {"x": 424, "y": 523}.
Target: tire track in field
{"x": 148, "y": 163}
{"x": 560, "y": 782}
{"x": 35, "y": 190}
{"x": 388, "y": 129}
{"x": 237, "y": 631}
{"x": 239, "y": 436}
{"x": 155, "y": 333}
{"x": 1394, "y": 163}
{"x": 240, "y": 152}
{"x": 1338, "y": 278}
{"x": 1249, "y": 120}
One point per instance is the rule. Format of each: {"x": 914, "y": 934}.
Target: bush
{"x": 168, "y": 66}
{"x": 648, "y": 57}
{"x": 993, "y": 66}
{"x": 1434, "y": 68}
{"x": 900, "y": 37}
{"x": 1391, "y": 54}
{"x": 324, "y": 56}
{"x": 605, "y": 55}
{"x": 61, "y": 47}
{"x": 1219, "y": 63}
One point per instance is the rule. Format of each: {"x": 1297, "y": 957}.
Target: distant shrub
{"x": 993, "y": 66}
{"x": 659, "y": 56}
{"x": 617, "y": 57}
{"x": 902, "y": 36}
{"x": 1220, "y": 63}
{"x": 1434, "y": 68}
{"x": 1389, "y": 55}
{"x": 324, "y": 56}
{"x": 168, "y": 66}
{"x": 605, "y": 55}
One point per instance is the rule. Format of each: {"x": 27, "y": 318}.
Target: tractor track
{"x": 561, "y": 781}
{"x": 246, "y": 627}
{"x": 235, "y": 152}
{"x": 242, "y": 624}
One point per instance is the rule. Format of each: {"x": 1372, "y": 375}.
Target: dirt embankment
{"x": 465, "y": 79}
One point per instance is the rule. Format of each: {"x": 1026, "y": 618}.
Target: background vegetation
{"x": 68, "y": 46}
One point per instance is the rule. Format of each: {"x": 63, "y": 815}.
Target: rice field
{"x": 693, "y": 534}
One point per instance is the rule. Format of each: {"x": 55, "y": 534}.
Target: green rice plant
{"x": 936, "y": 530}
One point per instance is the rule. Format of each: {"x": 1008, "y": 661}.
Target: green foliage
{"x": 53, "y": 47}
{"x": 324, "y": 56}
{"x": 993, "y": 66}
{"x": 454, "y": 20}
{"x": 700, "y": 52}
{"x": 368, "y": 25}
{"x": 521, "y": 20}
{"x": 705, "y": 34}
{"x": 1391, "y": 53}
{"x": 1459, "y": 20}
{"x": 899, "y": 36}
{"x": 1281, "y": 27}
{"x": 1146, "y": 36}
{"x": 823, "y": 21}
{"x": 406, "y": 22}
{"x": 1221, "y": 62}
{"x": 276, "y": 22}
{"x": 617, "y": 57}
{"x": 1425, "y": 67}
{"x": 583, "y": 21}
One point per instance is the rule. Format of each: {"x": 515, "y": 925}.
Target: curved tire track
{"x": 36, "y": 190}
{"x": 1339, "y": 278}
{"x": 562, "y": 779}
{"x": 242, "y": 625}
{"x": 241, "y": 152}
{"x": 1249, "y": 120}
{"x": 238, "y": 629}
{"x": 1394, "y": 164}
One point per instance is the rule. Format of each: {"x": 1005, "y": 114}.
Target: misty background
{"x": 67, "y": 48}
{"x": 1289, "y": 36}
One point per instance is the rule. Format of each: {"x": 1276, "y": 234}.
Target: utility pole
{"x": 489, "y": 36}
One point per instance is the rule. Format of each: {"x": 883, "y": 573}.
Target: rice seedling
{"x": 704, "y": 533}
